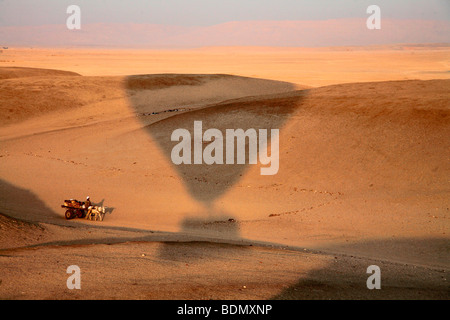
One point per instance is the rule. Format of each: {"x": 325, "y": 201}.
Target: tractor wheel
{"x": 68, "y": 215}
{"x": 81, "y": 213}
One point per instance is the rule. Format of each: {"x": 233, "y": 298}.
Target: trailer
{"x": 74, "y": 209}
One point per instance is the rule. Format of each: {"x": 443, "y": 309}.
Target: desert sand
{"x": 363, "y": 177}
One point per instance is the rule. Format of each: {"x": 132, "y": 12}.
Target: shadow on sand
{"x": 14, "y": 201}
{"x": 108, "y": 210}
{"x": 207, "y": 182}
{"x": 407, "y": 272}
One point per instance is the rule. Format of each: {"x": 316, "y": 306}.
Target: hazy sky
{"x": 210, "y": 12}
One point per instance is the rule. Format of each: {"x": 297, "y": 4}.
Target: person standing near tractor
{"x": 87, "y": 206}
{"x": 87, "y": 203}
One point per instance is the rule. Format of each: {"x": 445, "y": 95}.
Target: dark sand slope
{"x": 19, "y": 72}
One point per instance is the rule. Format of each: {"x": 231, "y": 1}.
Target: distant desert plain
{"x": 363, "y": 179}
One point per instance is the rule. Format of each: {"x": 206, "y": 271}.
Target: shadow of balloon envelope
{"x": 208, "y": 182}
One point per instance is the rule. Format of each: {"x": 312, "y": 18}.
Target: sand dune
{"x": 304, "y": 66}
{"x": 26, "y": 97}
{"x": 362, "y": 179}
{"x": 18, "y": 72}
